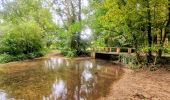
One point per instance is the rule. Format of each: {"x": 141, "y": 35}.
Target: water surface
{"x": 57, "y": 79}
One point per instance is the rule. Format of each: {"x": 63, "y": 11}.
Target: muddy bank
{"x": 141, "y": 85}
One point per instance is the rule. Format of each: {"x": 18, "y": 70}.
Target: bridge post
{"x": 93, "y": 54}
{"x": 104, "y": 49}
{"x": 107, "y": 49}
{"x": 129, "y": 50}
{"x": 118, "y": 50}
{"x": 110, "y": 49}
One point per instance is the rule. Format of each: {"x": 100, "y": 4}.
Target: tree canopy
{"x": 140, "y": 24}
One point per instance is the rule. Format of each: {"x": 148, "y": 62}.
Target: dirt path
{"x": 141, "y": 85}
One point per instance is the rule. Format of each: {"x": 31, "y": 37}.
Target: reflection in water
{"x": 3, "y": 95}
{"x": 58, "y": 79}
{"x": 87, "y": 75}
{"x": 58, "y": 91}
{"x": 87, "y": 64}
{"x": 53, "y": 63}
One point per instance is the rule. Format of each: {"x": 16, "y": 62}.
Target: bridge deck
{"x": 116, "y": 51}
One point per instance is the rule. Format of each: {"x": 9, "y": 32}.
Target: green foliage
{"x": 26, "y": 30}
{"x": 20, "y": 11}
{"x": 167, "y": 50}
{"x": 70, "y": 42}
{"x": 128, "y": 23}
{"x": 22, "y": 39}
{"x": 69, "y": 52}
{"x": 73, "y": 28}
{"x": 128, "y": 59}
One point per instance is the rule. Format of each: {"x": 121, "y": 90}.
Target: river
{"x": 57, "y": 79}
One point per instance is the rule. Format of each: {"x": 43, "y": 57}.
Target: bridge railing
{"x": 114, "y": 49}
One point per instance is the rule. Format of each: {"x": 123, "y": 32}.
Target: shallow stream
{"x": 57, "y": 79}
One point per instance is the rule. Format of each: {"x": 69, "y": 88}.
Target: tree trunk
{"x": 136, "y": 47}
{"x": 149, "y": 30}
{"x": 79, "y": 33}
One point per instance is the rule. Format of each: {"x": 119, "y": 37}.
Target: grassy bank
{"x": 5, "y": 58}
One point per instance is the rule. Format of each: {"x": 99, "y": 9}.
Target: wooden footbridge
{"x": 110, "y": 52}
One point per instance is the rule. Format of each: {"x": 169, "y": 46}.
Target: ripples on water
{"x": 57, "y": 79}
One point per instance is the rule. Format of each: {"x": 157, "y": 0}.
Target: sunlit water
{"x": 57, "y": 79}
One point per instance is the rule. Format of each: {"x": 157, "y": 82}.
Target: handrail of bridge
{"x": 113, "y": 49}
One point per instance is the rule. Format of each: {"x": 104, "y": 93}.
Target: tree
{"x": 26, "y": 28}
{"x": 138, "y": 22}
{"x": 70, "y": 12}
{"x": 18, "y": 11}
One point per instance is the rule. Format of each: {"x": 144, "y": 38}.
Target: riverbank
{"x": 57, "y": 54}
{"x": 51, "y": 54}
{"x": 141, "y": 85}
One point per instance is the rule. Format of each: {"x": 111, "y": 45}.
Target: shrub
{"x": 127, "y": 58}
{"x": 68, "y": 52}
{"x": 22, "y": 39}
{"x": 130, "y": 60}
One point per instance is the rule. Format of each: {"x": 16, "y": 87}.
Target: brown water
{"x": 57, "y": 79}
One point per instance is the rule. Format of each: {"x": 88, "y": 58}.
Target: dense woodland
{"x": 29, "y": 28}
